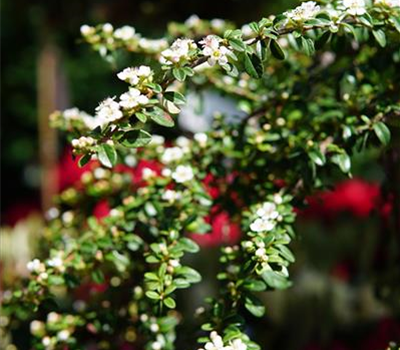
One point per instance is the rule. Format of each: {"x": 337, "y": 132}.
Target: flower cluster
{"x": 108, "y": 111}
{"x": 83, "y": 142}
{"x": 179, "y": 53}
{"x": 388, "y": 3}
{"x": 132, "y": 99}
{"x": 303, "y": 12}
{"x": 95, "y": 34}
{"x": 73, "y": 118}
{"x": 354, "y": 7}
{"x": 136, "y": 75}
{"x": 267, "y": 223}
{"x": 215, "y": 50}
{"x": 216, "y": 343}
{"x": 57, "y": 330}
{"x": 267, "y": 216}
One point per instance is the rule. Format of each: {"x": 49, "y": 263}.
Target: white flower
{"x": 157, "y": 140}
{"x": 174, "y": 263}
{"x": 87, "y": 30}
{"x": 389, "y": 3}
{"x": 132, "y": 99}
{"x": 148, "y": 174}
{"x": 278, "y": 198}
{"x": 303, "y": 12}
{"x": 125, "y": 33}
{"x": 268, "y": 211}
{"x": 193, "y": 21}
{"x": 156, "y": 345}
{"x": 262, "y": 225}
{"x": 154, "y": 327}
{"x": 260, "y": 252}
{"x": 354, "y": 7}
{"x": 36, "y": 327}
{"x": 246, "y": 30}
{"x": 166, "y": 172}
{"x": 172, "y": 154}
{"x": 179, "y": 50}
{"x": 46, "y": 341}
{"x": 217, "y": 23}
{"x": 107, "y": 28}
{"x": 83, "y": 142}
{"x": 71, "y": 113}
{"x": 201, "y": 138}
{"x": 215, "y": 52}
{"x": 183, "y": 141}
{"x": 63, "y": 335}
{"x": 171, "y": 196}
{"x": 134, "y": 75}
{"x": 237, "y": 344}
{"x": 108, "y": 111}
{"x": 68, "y": 217}
{"x": 183, "y": 173}
{"x": 52, "y": 213}
{"x": 216, "y": 342}
{"x": 35, "y": 266}
{"x": 57, "y": 262}
{"x": 43, "y": 276}
{"x": 153, "y": 44}
{"x": 53, "y": 317}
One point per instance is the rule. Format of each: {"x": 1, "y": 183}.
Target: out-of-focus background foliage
{"x": 344, "y": 294}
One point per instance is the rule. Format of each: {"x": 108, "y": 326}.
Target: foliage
{"x": 317, "y": 84}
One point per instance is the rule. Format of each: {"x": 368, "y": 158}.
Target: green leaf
{"x": 254, "y": 27}
{"x": 84, "y": 160}
{"x": 276, "y": 50}
{"x": 55, "y": 280}
{"x": 172, "y": 108}
{"x": 307, "y": 46}
{"x": 155, "y": 87}
{"x": 170, "y": 303}
{"x": 189, "y": 245}
{"x": 275, "y": 280}
{"x": 179, "y": 74}
{"x": 161, "y": 117}
{"x": 189, "y": 71}
{"x": 107, "y": 155}
{"x": 120, "y": 261}
{"x": 97, "y": 276}
{"x": 134, "y": 245}
{"x": 317, "y": 157}
{"x": 191, "y": 275}
{"x": 136, "y": 138}
{"x": 380, "y": 37}
{"x": 181, "y": 283}
{"x": 141, "y": 116}
{"x": 153, "y": 295}
{"x": 343, "y": 161}
{"x": 254, "y": 285}
{"x": 261, "y": 49}
{"x": 396, "y": 22}
{"x": 254, "y": 306}
{"x": 175, "y": 97}
{"x": 322, "y": 40}
{"x": 253, "y": 66}
{"x": 151, "y": 276}
{"x": 286, "y": 253}
{"x": 237, "y": 45}
{"x": 382, "y": 132}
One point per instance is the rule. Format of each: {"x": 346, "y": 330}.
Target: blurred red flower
{"x": 355, "y": 196}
